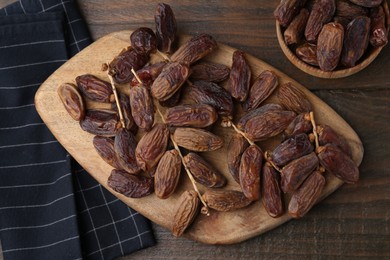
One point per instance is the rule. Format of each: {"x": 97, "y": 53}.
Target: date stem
{"x": 241, "y": 133}
{"x": 122, "y": 120}
{"x": 267, "y": 157}
{"x": 313, "y": 122}
{"x": 204, "y": 210}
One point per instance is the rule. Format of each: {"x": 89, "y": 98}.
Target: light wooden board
{"x": 220, "y": 227}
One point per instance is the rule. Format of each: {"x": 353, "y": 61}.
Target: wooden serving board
{"x": 219, "y": 227}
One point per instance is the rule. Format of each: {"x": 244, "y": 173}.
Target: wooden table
{"x": 352, "y": 222}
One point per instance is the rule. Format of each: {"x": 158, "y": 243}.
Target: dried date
{"x": 240, "y": 77}
{"x": 142, "y": 108}
{"x": 295, "y": 30}
{"x": 186, "y": 210}
{"x": 195, "y": 49}
{"x": 225, "y": 200}
{"x": 124, "y": 102}
{"x": 210, "y": 71}
{"x": 292, "y": 149}
{"x": 195, "y": 115}
{"x": 165, "y": 28}
{"x": 261, "y": 89}
{"x": 100, "y": 122}
{"x": 307, "y": 195}
{"x": 212, "y": 94}
{"x": 167, "y": 174}
{"x": 287, "y": 9}
{"x": 104, "y": 146}
{"x": 95, "y": 89}
{"x": 270, "y": 191}
{"x": 322, "y": 13}
{"x": 348, "y": 10}
{"x": 203, "y": 172}
{"x": 120, "y": 67}
{"x": 367, "y": 3}
{"x": 326, "y": 135}
{"x": 330, "y": 45}
{"x": 257, "y": 112}
{"x": 293, "y": 98}
{"x": 132, "y": 186}
{"x": 301, "y": 124}
{"x": 72, "y": 101}
{"x": 308, "y": 53}
{"x": 144, "y": 40}
{"x": 250, "y": 168}
{"x": 378, "y": 30}
{"x": 152, "y": 146}
{"x": 237, "y": 146}
{"x": 356, "y": 40}
{"x": 124, "y": 146}
{"x": 338, "y": 163}
{"x": 198, "y": 140}
{"x": 268, "y": 124}
{"x": 170, "y": 80}
{"x": 295, "y": 173}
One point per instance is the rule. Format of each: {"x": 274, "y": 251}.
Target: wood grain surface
{"x": 355, "y": 220}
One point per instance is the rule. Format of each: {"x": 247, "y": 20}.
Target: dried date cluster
{"x": 147, "y": 157}
{"x": 332, "y": 34}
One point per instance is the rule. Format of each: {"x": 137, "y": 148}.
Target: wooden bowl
{"x": 340, "y": 72}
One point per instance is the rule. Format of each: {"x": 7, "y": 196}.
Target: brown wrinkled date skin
{"x": 124, "y": 145}
{"x": 295, "y": 30}
{"x": 291, "y": 149}
{"x": 95, "y": 89}
{"x": 212, "y": 94}
{"x": 322, "y": 13}
{"x": 72, "y": 101}
{"x": 195, "y": 115}
{"x": 144, "y": 40}
{"x": 210, "y": 71}
{"x": 186, "y": 210}
{"x": 126, "y": 112}
{"x": 261, "y": 89}
{"x": 326, "y": 135}
{"x": 270, "y": 191}
{"x": 287, "y": 9}
{"x": 378, "y": 31}
{"x": 308, "y": 53}
{"x": 293, "y": 98}
{"x": 148, "y": 74}
{"x": 307, "y": 195}
{"x": 195, "y": 49}
{"x": 301, "y": 124}
{"x": 367, "y": 3}
{"x": 104, "y": 146}
{"x": 173, "y": 100}
{"x": 170, "y": 80}
{"x": 268, "y": 124}
{"x": 167, "y": 174}
{"x": 250, "y": 168}
{"x": 338, "y": 163}
{"x": 165, "y": 28}
{"x": 355, "y": 40}
{"x": 132, "y": 186}
{"x": 197, "y": 140}
{"x": 100, "y": 122}
{"x": 142, "y": 108}
{"x": 330, "y": 45}
{"x": 152, "y": 146}
{"x": 120, "y": 67}
{"x": 348, "y": 10}
{"x": 225, "y": 200}
{"x": 240, "y": 77}
{"x": 237, "y": 146}
{"x": 294, "y": 173}
{"x": 203, "y": 172}
{"x": 257, "y": 112}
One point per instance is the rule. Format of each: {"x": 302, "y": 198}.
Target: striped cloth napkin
{"x": 50, "y": 208}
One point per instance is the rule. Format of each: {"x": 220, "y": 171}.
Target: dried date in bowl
{"x": 340, "y": 72}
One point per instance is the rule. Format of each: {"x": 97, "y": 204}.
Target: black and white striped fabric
{"x": 50, "y": 208}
